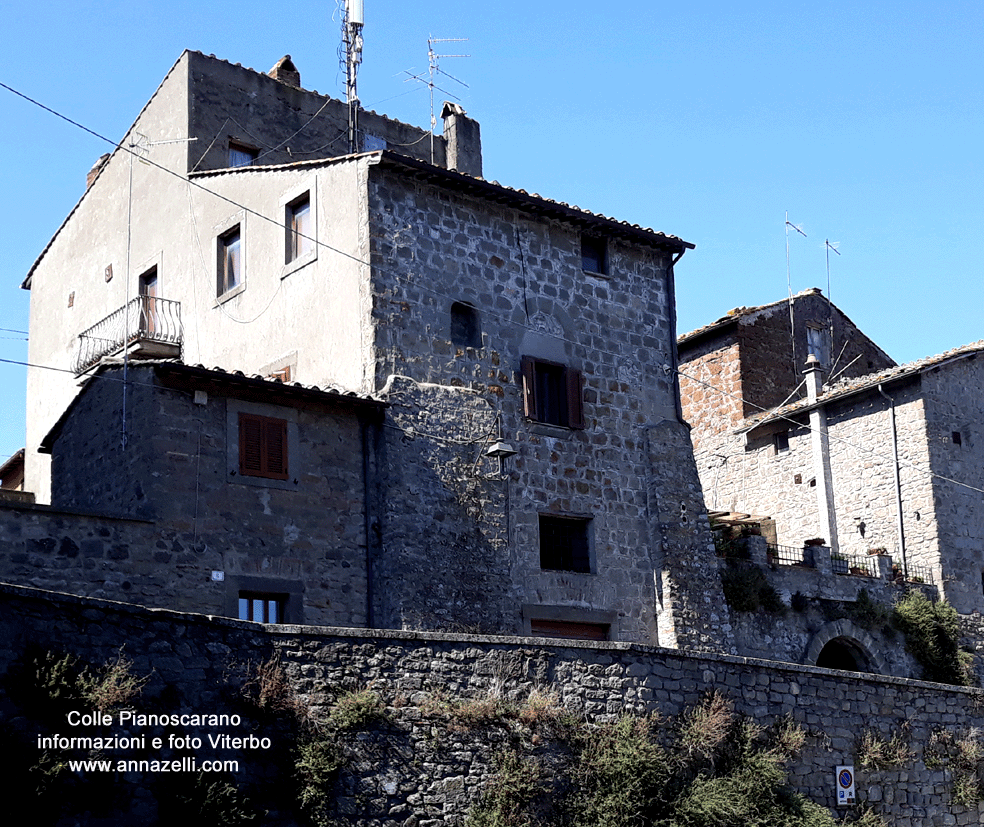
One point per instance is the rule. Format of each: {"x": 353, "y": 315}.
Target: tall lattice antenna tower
{"x": 352, "y": 24}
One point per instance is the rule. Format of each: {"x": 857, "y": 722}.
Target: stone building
{"x": 863, "y": 454}
{"x": 537, "y": 475}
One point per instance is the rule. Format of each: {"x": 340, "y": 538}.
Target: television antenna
{"x": 434, "y": 68}
{"x": 789, "y": 287}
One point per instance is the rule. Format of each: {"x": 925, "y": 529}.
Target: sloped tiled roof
{"x": 849, "y": 387}
{"x": 254, "y": 382}
{"x": 480, "y": 187}
{"x": 733, "y": 315}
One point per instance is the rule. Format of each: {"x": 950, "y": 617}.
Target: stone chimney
{"x": 286, "y": 72}
{"x": 464, "y": 140}
{"x": 96, "y": 168}
{"x": 814, "y": 378}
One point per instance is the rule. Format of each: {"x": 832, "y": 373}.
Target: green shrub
{"x": 507, "y": 798}
{"x": 356, "y": 710}
{"x": 316, "y": 769}
{"x": 746, "y": 588}
{"x": 932, "y": 636}
{"x": 203, "y": 799}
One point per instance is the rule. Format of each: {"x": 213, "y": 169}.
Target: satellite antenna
{"x": 434, "y": 68}
{"x": 352, "y": 38}
{"x": 789, "y": 288}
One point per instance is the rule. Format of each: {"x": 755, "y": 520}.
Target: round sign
{"x": 845, "y": 778}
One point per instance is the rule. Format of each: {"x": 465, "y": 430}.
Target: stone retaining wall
{"x": 419, "y": 778}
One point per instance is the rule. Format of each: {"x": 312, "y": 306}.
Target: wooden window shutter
{"x": 529, "y": 383}
{"x": 575, "y": 404}
{"x": 262, "y": 446}
{"x": 276, "y": 448}
{"x": 250, "y": 445}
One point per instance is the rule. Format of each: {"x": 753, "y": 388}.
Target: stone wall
{"x": 955, "y": 444}
{"x": 522, "y": 273}
{"x": 420, "y": 775}
{"x": 167, "y": 520}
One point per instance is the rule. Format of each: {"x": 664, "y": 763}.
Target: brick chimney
{"x": 96, "y": 167}
{"x": 286, "y": 72}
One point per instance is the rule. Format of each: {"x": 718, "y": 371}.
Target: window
{"x": 816, "y": 343}
{"x": 564, "y": 544}
{"x": 300, "y": 228}
{"x": 262, "y": 446}
{"x": 569, "y": 629}
{"x": 552, "y": 393}
{"x": 261, "y": 607}
{"x": 780, "y": 442}
{"x": 594, "y": 254}
{"x": 466, "y": 326}
{"x": 241, "y": 155}
{"x": 230, "y": 266}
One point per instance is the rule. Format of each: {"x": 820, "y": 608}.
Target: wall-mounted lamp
{"x": 500, "y": 450}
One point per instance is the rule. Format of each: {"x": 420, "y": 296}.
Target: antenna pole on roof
{"x": 828, "y": 246}
{"x": 789, "y": 288}
{"x": 432, "y": 58}
{"x": 352, "y": 38}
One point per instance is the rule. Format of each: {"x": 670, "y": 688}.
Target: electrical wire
{"x": 618, "y": 357}
{"x": 809, "y": 429}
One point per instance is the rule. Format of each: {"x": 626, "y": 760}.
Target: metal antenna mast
{"x": 352, "y": 38}
{"x": 432, "y": 58}
{"x": 789, "y": 288}
{"x": 828, "y": 246}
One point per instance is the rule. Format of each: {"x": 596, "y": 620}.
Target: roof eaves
{"x": 532, "y": 202}
{"x": 26, "y": 284}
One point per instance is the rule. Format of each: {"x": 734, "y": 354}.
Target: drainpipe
{"x": 898, "y": 483}
{"x": 821, "y": 453}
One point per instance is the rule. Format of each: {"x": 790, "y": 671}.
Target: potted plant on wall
{"x": 879, "y": 550}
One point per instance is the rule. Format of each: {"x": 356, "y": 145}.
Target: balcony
{"x": 146, "y": 327}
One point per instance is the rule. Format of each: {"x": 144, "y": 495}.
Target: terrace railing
{"x": 144, "y": 319}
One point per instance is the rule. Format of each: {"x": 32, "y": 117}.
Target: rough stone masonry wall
{"x": 772, "y": 360}
{"x": 305, "y": 538}
{"x": 954, "y": 414}
{"x": 413, "y": 778}
{"x": 523, "y": 274}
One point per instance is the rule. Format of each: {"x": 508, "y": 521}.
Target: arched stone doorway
{"x": 842, "y": 645}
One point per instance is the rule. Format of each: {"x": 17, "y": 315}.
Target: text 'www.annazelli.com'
{"x": 186, "y": 764}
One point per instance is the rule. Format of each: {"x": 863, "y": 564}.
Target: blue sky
{"x": 707, "y": 120}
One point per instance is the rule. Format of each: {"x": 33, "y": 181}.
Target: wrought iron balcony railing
{"x": 148, "y": 321}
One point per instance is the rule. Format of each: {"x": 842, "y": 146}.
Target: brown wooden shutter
{"x": 575, "y": 405}
{"x": 250, "y": 445}
{"x": 529, "y": 384}
{"x": 262, "y": 446}
{"x": 275, "y": 431}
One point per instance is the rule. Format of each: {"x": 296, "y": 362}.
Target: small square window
{"x": 262, "y": 447}
{"x": 552, "y": 393}
{"x": 262, "y": 607}
{"x": 466, "y": 326}
{"x": 299, "y": 226}
{"x": 564, "y": 544}
{"x": 594, "y": 254}
{"x": 230, "y": 264}
{"x": 956, "y": 437}
{"x": 241, "y": 155}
